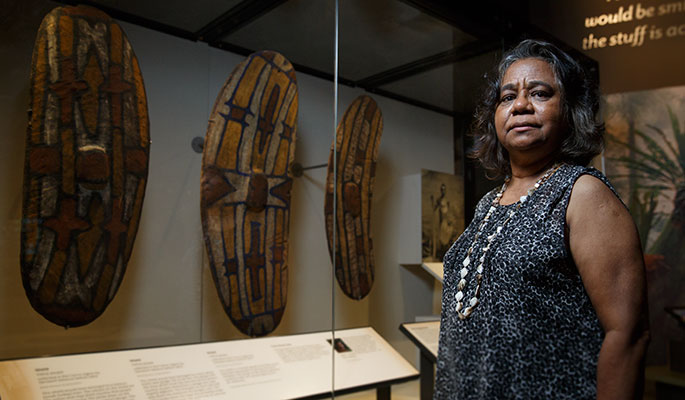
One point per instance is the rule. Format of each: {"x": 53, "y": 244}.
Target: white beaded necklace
{"x": 491, "y": 238}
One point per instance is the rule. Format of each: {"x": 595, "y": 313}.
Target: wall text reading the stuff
{"x": 640, "y": 33}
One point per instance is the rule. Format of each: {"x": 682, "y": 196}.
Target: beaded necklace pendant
{"x": 465, "y": 311}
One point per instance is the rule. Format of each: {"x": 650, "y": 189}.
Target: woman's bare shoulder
{"x": 590, "y": 186}
{"x": 589, "y": 190}
{"x": 593, "y": 201}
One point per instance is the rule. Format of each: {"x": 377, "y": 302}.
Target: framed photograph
{"x": 442, "y": 213}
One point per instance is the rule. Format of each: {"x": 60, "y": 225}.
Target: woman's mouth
{"x": 520, "y": 128}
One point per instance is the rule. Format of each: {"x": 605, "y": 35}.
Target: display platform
{"x": 425, "y": 335}
{"x": 284, "y": 367}
{"x": 435, "y": 269}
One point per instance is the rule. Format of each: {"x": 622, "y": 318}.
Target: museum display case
{"x": 167, "y": 190}
{"x": 167, "y": 294}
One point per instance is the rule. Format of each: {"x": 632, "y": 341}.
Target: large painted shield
{"x": 246, "y": 184}
{"x": 85, "y": 172}
{"x": 351, "y": 185}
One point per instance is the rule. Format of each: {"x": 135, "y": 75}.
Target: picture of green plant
{"x": 645, "y": 159}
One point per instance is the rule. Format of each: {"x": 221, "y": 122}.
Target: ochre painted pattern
{"x": 358, "y": 137}
{"x": 87, "y": 151}
{"x": 245, "y": 195}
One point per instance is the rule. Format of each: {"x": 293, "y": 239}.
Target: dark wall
{"x": 643, "y": 46}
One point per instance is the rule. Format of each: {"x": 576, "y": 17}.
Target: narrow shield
{"x": 87, "y": 149}
{"x": 245, "y": 198}
{"x": 349, "y": 188}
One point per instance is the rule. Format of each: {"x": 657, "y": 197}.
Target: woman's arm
{"x": 606, "y": 249}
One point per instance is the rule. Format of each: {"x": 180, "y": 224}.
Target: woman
{"x": 544, "y": 293}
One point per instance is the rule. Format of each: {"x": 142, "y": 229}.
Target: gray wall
{"x": 167, "y": 296}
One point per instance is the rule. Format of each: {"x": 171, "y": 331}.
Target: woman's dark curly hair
{"x": 580, "y": 101}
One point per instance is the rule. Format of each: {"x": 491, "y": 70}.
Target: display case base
{"x": 285, "y": 367}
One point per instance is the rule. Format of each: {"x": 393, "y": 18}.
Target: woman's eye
{"x": 506, "y": 98}
{"x": 541, "y": 94}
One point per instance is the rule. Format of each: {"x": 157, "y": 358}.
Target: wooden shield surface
{"x": 85, "y": 171}
{"x": 357, "y": 139}
{"x": 246, "y": 184}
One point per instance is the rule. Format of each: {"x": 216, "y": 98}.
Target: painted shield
{"x": 357, "y": 139}
{"x": 87, "y": 149}
{"x": 246, "y": 184}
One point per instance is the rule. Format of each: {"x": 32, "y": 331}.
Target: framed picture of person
{"x": 442, "y": 213}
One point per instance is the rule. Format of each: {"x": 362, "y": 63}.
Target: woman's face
{"x": 529, "y": 118}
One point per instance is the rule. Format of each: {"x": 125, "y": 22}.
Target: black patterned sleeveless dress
{"x": 534, "y": 334}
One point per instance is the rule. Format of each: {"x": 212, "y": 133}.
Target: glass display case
{"x": 167, "y": 295}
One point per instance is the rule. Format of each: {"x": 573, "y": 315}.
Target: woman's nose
{"x": 522, "y": 103}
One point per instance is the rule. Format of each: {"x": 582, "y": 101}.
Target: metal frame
{"x": 235, "y": 18}
{"x": 488, "y": 20}
{"x": 135, "y": 19}
{"x": 464, "y": 52}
